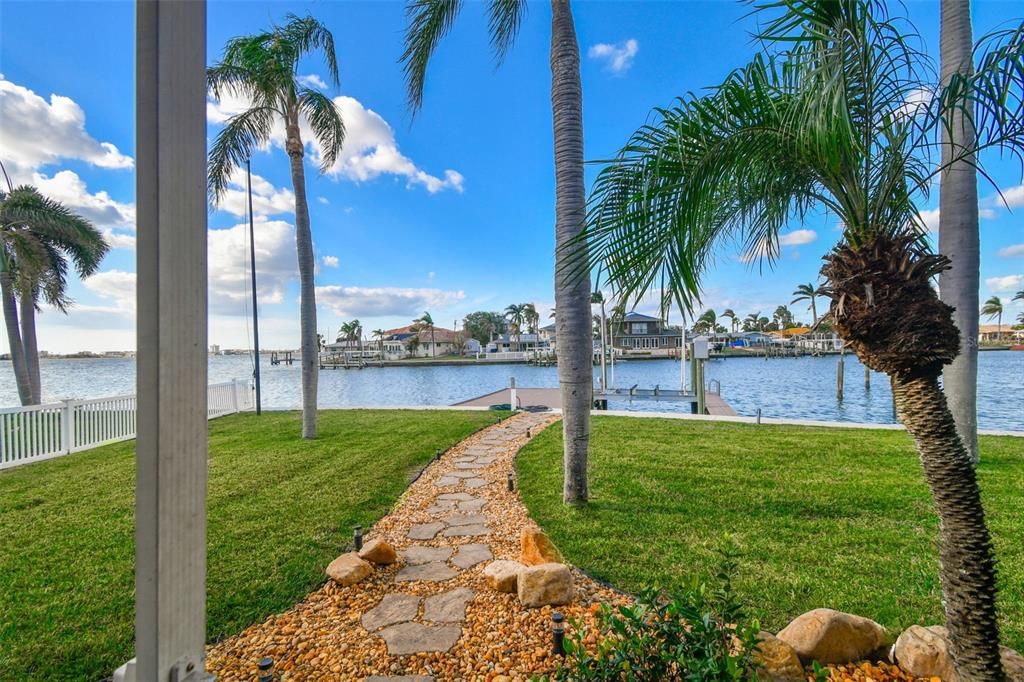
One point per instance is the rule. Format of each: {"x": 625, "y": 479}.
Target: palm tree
{"x": 994, "y": 308}
{"x": 516, "y": 316}
{"x": 959, "y": 238}
{"x": 37, "y": 238}
{"x": 531, "y": 317}
{"x": 1019, "y": 296}
{"x": 425, "y": 321}
{"x": 707, "y": 321}
{"x": 828, "y": 119}
{"x": 808, "y": 292}
{"x": 429, "y": 21}
{"x": 263, "y": 69}
{"x": 379, "y": 334}
{"x": 733, "y": 320}
{"x": 752, "y": 322}
{"x": 783, "y": 318}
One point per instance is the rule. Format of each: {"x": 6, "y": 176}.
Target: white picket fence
{"x": 38, "y": 432}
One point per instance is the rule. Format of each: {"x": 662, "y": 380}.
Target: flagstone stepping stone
{"x": 446, "y": 481}
{"x": 448, "y": 607}
{"x": 462, "y": 497}
{"x": 463, "y": 474}
{"x": 399, "y": 678}
{"x": 435, "y": 510}
{"x": 466, "y": 531}
{"x": 469, "y": 465}
{"x": 425, "y": 555}
{"x": 486, "y": 460}
{"x": 471, "y": 555}
{"x": 434, "y": 571}
{"x": 393, "y": 608}
{"x": 465, "y": 519}
{"x": 424, "y": 531}
{"x": 472, "y": 483}
{"x": 414, "y": 638}
{"x": 472, "y": 505}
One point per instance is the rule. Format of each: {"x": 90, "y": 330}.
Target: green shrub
{"x": 697, "y": 634}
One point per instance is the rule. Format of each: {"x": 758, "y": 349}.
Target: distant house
{"x": 991, "y": 333}
{"x": 751, "y": 339}
{"x": 410, "y": 341}
{"x": 638, "y": 332}
{"x": 526, "y": 343}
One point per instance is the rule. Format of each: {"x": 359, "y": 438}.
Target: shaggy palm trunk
{"x": 966, "y": 564}
{"x": 307, "y": 290}
{"x": 572, "y": 292}
{"x": 883, "y": 305}
{"x": 31, "y": 348}
{"x": 958, "y": 231}
{"x": 14, "y": 339}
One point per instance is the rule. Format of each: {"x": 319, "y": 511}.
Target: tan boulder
{"x": 829, "y": 636}
{"x": 537, "y": 548}
{"x": 379, "y": 552}
{"x": 924, "y": 652}
{"x": 348, "y": 569}
{"x": 777, "y": 661}
{"x": 503, "y": 576}
{"x": 545, "y": 585}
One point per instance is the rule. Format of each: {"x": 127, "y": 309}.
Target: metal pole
{"x": 255, "y": 313}
{"x": 604, "y": 352}
{"x": 839, "y": 376}
{"x": 867, "y": 378}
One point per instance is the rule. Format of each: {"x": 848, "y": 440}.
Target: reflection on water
{"x": 797, "y": 388}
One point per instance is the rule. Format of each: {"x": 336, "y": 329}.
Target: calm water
{"x": 797, "y": 388}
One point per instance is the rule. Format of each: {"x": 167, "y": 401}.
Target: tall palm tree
{"x": 827, "y": 119}
{"x": 38, "y": 236}
{"x": 263, "y": 69}
{"x": 733, "y": 319}
{"x": 994, "y": 308}
{"x": 516, "y": 316}
{"x": 425, "y": 321}
{"x": 808, "y": 292}
{"x": 428, "y": 22}
{"x": 959, "y": 238}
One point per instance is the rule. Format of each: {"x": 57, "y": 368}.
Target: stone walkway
{"x": 431, "y": 615}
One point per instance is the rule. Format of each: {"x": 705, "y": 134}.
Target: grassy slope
{"x": 826, "y": 517}
{"x": 279, "y": 510}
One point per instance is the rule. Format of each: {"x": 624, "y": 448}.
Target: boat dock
{"x": 551, "y": 399}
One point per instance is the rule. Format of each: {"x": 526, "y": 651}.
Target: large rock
{"x": 777, "y": 661}
{"x": 503, "y": 576}
{"x": 544, "y": 585}
{"x": 924, "y": 652}
{"x": 829, "y": 636}
{"x": 348, "y": 569}
{"x": 537, "y": 548}
{"x": 379, "y": 552}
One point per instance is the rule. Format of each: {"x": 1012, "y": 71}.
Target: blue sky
{"x": 451, "y": 211}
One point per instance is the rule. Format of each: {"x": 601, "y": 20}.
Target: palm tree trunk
{"x": 958, "y": 232}
{"x": 14, "y": 339}
{"x": 31, "y": 349}
{"x": 966, "y": 564}
{"x": 814, "y": 312}
{"x": 572, "y": 293}
{"x": 307, "y": 289}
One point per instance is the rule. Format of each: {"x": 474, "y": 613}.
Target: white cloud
{"x": 330, "y": 261}
{"x": 1014, "y": 196}
{"x": 1012, "y": 251}
{"x": 370, "y": 148}
{"x": 618, "y": 57}
{"x": 312, "y": 81}
{"x": 267, "y": 200}
{"x": 798, "y": 238}
{"x": 1010, "y": 283}
{"x": 383, "y": 301}
{"x": 323, "y": 200}
{"x": 36, "y": 132}
{"x": 986, "y": 213}
{"x": 117, "y": 286}
{"x": 228, "y": 267}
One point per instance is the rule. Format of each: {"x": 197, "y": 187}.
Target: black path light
{"x": 558, "y": 634}
{"x": 357, "y": 537}
{"x": 437, "y": 455}
{"x": 511, "y": 482}
{"x": 266, "y": 667}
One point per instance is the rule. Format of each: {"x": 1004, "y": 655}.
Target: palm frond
{"x": 235, "y": 144}
{"x": 428, "y": 22}
{"x": 504, "y": 20}
{"x": 307, "y": 35}
{"x": 326, "y": 123}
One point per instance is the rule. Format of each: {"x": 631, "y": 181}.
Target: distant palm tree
{"x": 1019, "y": 296}
{"x": 993, "y": 307}
{"x": 263, "y": 69}
{"x": 531, "y": 317}
{"x": 428, "y": 22}
{"x": 516, "y": 316}
{"x": 808, "y": 292}
{"x": 733, "y": 319}
{"x": 38, "y": 236}
{"x": 425, "y": 321}
{"x": 379, "y": 335}
{"x": 707, "y": 321}
{"x": 752, "y": 322}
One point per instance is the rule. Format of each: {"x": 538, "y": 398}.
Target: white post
{"x": 67, "y": 427}
{"x": 234, "y": 394}
{"x": 170, "y": 507}
{"x": 512, "y": 393}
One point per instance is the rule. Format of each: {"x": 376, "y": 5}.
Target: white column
{"x": 170, "y": 508}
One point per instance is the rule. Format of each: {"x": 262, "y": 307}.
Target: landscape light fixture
{"x": 511, "y": 482}
{"x": 357, "y": 537}
{"x": 266, "y": 666}
{"x": 558, "y": 634}
{"x": 437, "y": 455}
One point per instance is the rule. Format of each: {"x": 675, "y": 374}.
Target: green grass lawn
{"x": 280, "y": 509}
{"x": 837, "y": 518}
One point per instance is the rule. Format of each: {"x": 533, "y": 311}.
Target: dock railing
{"x": 37, "y": 432}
